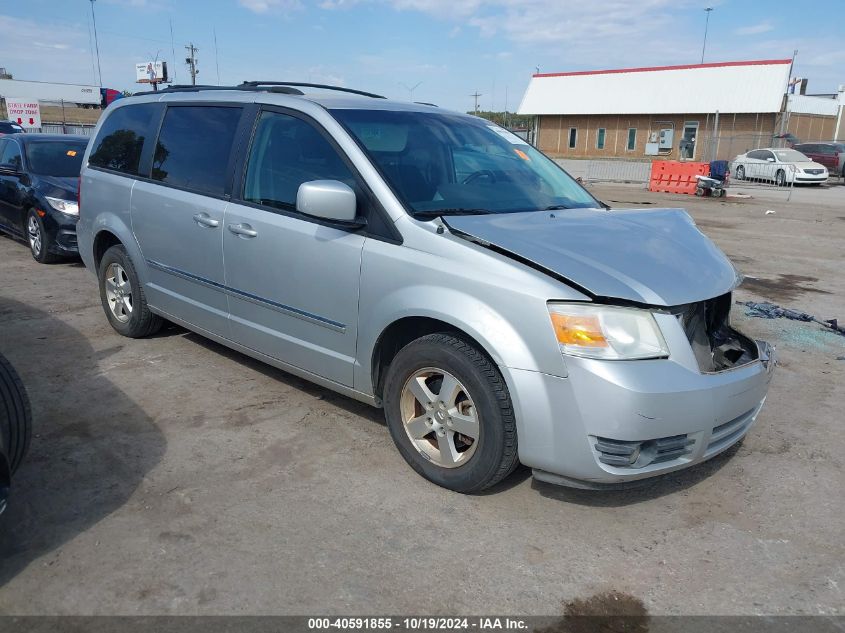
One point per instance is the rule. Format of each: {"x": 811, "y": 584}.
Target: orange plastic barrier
{"x": 672, "y": 176}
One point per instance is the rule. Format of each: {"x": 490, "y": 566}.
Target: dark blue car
{"x": 39, "y": 183}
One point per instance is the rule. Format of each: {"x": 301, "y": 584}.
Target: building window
{"x": 632, "y": 138}
{"x": 600, "y": 138}
{"x": 573, "y": 137}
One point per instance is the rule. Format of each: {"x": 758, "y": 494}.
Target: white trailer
{"x": 52, "y": 93}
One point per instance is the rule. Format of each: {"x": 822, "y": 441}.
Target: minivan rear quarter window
{"x": 193, "y": 147}
{"x": 120, "y": 141}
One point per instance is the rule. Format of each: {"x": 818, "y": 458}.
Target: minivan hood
{"x": 656, "y": 257}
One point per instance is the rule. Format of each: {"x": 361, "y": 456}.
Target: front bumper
{"x": 62, "y": 229}
{"x": 563, "y": 420}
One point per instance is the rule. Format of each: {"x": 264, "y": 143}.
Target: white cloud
{"x": 263, "y": 6}
{"x": 755, "y": 29}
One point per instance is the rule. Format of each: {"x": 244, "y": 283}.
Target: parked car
{"x": 10, "y": 127}
{"x": 831, "y": 155}
{"x": 781, "y": 166}
{"x": 427, "y": 262}
{"x": 15, "y": 426}
{"x": 39, "y": 180}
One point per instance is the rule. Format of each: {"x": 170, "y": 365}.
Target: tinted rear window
{"x": 193, "y": 147}
{"x": 55, "y": 158}
{"x": 119, "y": 144}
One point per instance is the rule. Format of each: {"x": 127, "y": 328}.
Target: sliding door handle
{"x": 243, "y": 230}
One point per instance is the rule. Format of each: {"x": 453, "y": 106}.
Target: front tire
{"x": 740, "y": 173}
{"x": 122, "y": 296}
{"x": 38, "y": 239}
{"x": 780, "y": 178}
{"x": 450, "y": 414}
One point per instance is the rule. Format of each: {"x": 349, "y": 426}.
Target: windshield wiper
{"x": 436, "y": 213}
{"x": 556, "y": 207}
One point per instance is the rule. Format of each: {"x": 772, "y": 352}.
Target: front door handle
{"x": 244, "y": 230}
{"x": 203, "y": 219}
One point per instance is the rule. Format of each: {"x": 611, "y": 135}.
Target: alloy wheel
{"x": 119, "y": 292}
{"x": 36, "y": 241}
{"x": 440, "y": 417}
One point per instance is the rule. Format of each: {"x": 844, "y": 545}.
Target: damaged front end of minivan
{"x": 687, "y": 393}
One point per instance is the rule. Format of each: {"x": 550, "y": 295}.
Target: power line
{"x": 97, "y": 44}
{"x": 172, "y": 49}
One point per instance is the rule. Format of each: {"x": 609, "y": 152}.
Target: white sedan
{"x": 781, "y": 166}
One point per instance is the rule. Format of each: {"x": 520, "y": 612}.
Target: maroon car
{"x": 831, "y": 155}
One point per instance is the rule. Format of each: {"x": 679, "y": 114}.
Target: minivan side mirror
{"x": 327, "y": 199}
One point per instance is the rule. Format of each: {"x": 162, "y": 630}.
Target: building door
{"x": 688, "y": 140}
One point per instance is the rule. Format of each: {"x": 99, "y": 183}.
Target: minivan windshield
{"x": 62, "y": 159}
{"x": 442, "y": 163}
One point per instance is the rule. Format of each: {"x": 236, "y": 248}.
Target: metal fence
{"x": 607, "y": 170}
{"x": 727, "y": 147}
{"x": 755, "y": 175}
{"x": 66, "y": 128}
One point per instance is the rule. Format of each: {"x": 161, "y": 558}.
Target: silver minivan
{"x": 427, "y": 262}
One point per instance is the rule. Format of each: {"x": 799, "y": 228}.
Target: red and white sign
{"x": 25, "y": 112}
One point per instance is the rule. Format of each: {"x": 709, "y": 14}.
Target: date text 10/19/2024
{"x": 418, "y": 624}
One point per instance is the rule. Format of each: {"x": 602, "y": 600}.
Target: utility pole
{"x": 476, "y": 94}
{"x": 706, "y": 24}
{"x": 192, "y": 62}
{"x": 97, "y": 44}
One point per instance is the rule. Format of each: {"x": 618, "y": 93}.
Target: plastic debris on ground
{"x": 767, "y": 310}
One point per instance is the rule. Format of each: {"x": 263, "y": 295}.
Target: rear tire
{"x": 780, "y": 178}
{"x": 477, "y": 402}
{"x": 15, "y": 415}
{"x": 122, "y": 296}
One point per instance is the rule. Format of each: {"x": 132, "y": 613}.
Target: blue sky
{"x": 450, "y": 47}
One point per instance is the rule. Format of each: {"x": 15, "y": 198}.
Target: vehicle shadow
{"x": 638, "y": 491}
{"x": 327, "y": 395}
{"x": 363, "y": 410}
{"x": 91, "y": 446}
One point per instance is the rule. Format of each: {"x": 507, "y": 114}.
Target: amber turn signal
{"x": 582, "y": 330}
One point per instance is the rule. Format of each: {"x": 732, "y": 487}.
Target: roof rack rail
{"x": 193, "y": 88}
{"x": 260, "y": 84}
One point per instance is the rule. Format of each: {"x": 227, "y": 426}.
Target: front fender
{"x": 509, "y": 322}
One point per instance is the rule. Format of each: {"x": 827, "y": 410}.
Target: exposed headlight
{"x": 65, "y": 206}
{"x": 607, "y": 332}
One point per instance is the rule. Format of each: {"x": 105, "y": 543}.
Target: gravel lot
{"x": 173, "y": 476}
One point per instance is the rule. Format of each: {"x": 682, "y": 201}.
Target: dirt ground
{"x": 173, "y": 476}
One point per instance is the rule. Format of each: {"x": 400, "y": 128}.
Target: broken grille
{"x": 716, "y": 345}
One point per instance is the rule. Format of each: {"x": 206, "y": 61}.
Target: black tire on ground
{"x": 40, "y": 250}
{"x": 141, "y": 321}
{"x": 740, "y": 173}
{"x": 495, "y": 457}
{"x": 15, "y": 415}
{"x": 780, "y": 178}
